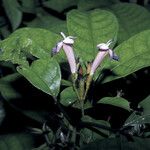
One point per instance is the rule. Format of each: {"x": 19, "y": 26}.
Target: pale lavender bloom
{"x": 104, "y": 50}
{"x": 66, "y": 44}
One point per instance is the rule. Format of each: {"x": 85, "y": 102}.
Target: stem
{"x": 62, "y": 110}
{"x": 73, "y": 138}
{"x": 82, "y": 108}
{"x": 88, "y": 83}
{"x": 73, "y": 76}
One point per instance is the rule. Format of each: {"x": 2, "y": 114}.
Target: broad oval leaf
{"x": 13, "y": 12}
{"x": 44, "y": 74}
{"x": 91, "y": 28}
{"x": 68, "y": 96}
{"x": 18, "y": 141}
{"x": 27, "y": 42}
{"x": 115, "y": 101}
{"x": 134, "y": 55}
{"x": 132, "y": 19}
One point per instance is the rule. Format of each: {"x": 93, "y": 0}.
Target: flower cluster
{"x": 67, "y": 45}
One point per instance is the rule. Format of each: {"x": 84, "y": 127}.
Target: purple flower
{"x": 103, "y": 51}
{"x": 67, "y": 44}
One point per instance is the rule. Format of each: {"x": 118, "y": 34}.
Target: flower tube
{"x": 103, "y": 51}
{"x": 67, "y": 45}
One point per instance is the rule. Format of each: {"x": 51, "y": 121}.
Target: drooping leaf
{"x": 68, "y": 96}
{"x": 133, "y": 54}
{"x": 59, "y": 5}
{"x": 115, "y": 101}
{"x": 27, "y": 42}
{"x": 92, "y": 4}
{"x": 44, "y": 74}
{"x": 6, "y": 89}
{"x": 19, "y": 141}
{"x": 13, "y": 12}
{"x": 91, "y": 28}
{"x": 132, "y": 19}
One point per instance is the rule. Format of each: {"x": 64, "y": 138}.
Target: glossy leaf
{"x": 44, "y": 74}
{"x": 68, "y": 96}
{"x": 27, "y": 42}
{"x": 132, "y": 19}
{"x": 59, "y": 5}
{"x": 92, "y": 4}
{"x": 115, "y": 101}
{"x": 91, "y": 28}
{"x": 133, "y": 54}
{"x": 20, "y": 141}
{"x": 13, "y": 12}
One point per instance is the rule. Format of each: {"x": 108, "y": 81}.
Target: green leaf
{"x": 66, "y": 82}
{"x": 6, "y": 89}
{"x": 119, "y": 143}
{"x": 132, "y": 19}
{"x": 145, "y": 104}
{"x": 13, "y": 12}
{"x": 134, "y": 55}
{"x": 27, "y": 42}
{"x": 68, "y": 96}
{"x": 37, "y": 115}
{"x": 28, "y": 6}
{"x": 59, "y": 5}
{"x": 87, "y": 135}
{"x": 47, "y": 21}
{"x": 115, "y": 101}
{"x": 44, "y": 74}
{"x": 142, "y": 118}
{"x": 92, "y": 4}
{"x": 19, "y": 141}
{"x": 91, "y": 28}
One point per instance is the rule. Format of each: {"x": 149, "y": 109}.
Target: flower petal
{"x": 57, "y": 48}
{"x": 68, "y": 40}
{"x": 113, "y": 55}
